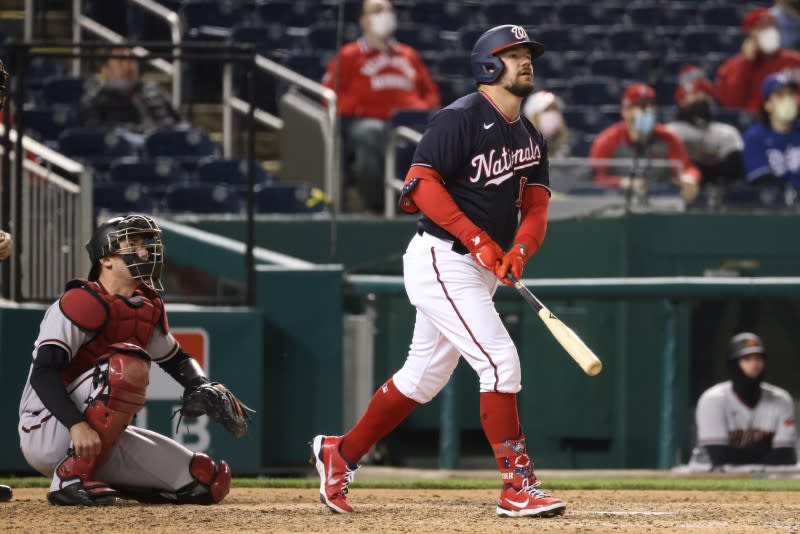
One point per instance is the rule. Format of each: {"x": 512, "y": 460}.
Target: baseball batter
{"x": 88, "y": 379}
{"x": 480, "y": 178}
{"x": 745, "y": 420}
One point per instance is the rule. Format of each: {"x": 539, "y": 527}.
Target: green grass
{"x": 687, "y": 484}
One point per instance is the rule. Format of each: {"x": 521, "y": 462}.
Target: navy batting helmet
{"x": 486, "y": 66}
{"x": 744, "y": 344}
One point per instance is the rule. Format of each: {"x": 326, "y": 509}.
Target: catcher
{"x": 89, "y": 375}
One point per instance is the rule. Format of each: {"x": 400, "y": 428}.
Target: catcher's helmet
{"x": 112, "y": 237}
{"x": 486, "y": 66}
{"x": 744, "y": 344}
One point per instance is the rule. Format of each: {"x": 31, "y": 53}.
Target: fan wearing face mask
{"x": 544, "y": 110}
{"x": 120, "y": 98}
{"x": 787, "y": 17}
{"x": 713, "y": 146}
{"x": 740, "y": 77}
{"x": 772, "y": 147}
{"x": 638, "y": 136}
{"x": 374, "y": 77}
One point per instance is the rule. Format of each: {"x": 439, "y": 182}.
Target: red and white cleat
{"x": 335, "y": 474}
{"x": 528, "y": 501}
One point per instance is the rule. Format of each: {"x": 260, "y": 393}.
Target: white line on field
{"x": 616, "y": 512}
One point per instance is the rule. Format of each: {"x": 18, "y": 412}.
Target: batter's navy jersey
{"x": 485, "y": 160}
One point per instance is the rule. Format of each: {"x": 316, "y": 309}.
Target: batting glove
{"x": 484, "y": 250}
{"x": 513, "y": 260}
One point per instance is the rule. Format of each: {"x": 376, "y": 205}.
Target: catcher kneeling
{"x": 89, "y": 375}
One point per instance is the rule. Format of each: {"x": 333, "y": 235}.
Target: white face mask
{"x": 383, "y": 24}
{"x": 550, "y": 122}
{"x": 769, "y": 40}
{"x": 785, "y": 108}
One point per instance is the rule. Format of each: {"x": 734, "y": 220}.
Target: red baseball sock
{"x": 499, "y": 417}
{"x": 386, "y": 410}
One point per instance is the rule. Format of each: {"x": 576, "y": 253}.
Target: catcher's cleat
{"x": 88, "y": 493}
{"x": 335, "y": 473}
{"x": 528, "y": 501}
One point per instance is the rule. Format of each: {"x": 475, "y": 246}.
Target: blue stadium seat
{"x": 290, "y": 198}
{"x": 187, "y": 145}
{"x": 513, "y": 11}
{"x": 272, "y": 37}
{"x": 583, "y": 14}
{"x": 66, "y": 90}
{"x": 325, "y": 36}
{"x": 203, "y": 198}
{"x": 703, "y": 40}
{"x": 122, "y": 197}
{"x": 420, "y": 36}
{"x": 42, "y": 68}
{"x": 557, "y": 39}
{"x": 616, "y": 65}
{"x": 287, "y": 12}
{"x": 594, "y": 91}
{"x": 48, "y": 123}
{"x": 637, "y": 39}
{"x": 665, "y": 91}
{"x": 453, "y": 65}
{"x": 646, "y": 14}
{"x": 448, "y": 14}
{"x": 309, "y": 64}
{"x": 452, "y": 89}
{"x": 712, "y": 14}
{"x": 231, "y": 171}
{"x": 221, "y": 13}
{"x": 156, "y": 174}
{"x": 95, "y": 146}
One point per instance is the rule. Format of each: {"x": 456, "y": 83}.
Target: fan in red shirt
{"x": 637, "y": 136}
{"x": 739, "y": 79}
{"x": 374, "y": 77}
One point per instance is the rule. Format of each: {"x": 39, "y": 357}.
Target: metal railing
{"x": 391, "y": 183}
{"x": 80, "y": 22}
{"x": 331, "y": 141}
{"x": 52, "y": 216}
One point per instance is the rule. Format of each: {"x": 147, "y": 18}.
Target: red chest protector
{"x": 113, "y": 319}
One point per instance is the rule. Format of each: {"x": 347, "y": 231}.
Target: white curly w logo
{"x": 519, "y": 32}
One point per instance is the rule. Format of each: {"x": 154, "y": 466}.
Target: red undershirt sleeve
{"x": 533, "y": 221}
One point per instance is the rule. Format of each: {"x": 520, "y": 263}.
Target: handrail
{"x": 391, "y": 182}
{"x": 170, "y": 17}
{"x": 233, "y": 103}
{"x": 38, "y": 149}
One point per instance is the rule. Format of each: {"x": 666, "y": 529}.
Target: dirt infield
{"x": 435, "y": 511}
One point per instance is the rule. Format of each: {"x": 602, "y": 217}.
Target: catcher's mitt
{"x": 217, "y": 401}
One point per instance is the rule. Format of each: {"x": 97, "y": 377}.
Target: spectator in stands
{"x": 772, "y": 147}
{"x": 740, "y": 77}
{"x": 119, "y": 98}
{"x": 787, "y": 17}
{"x": 639, "y": 137}
{"x": 713, "y": 146}
{"x": 544, "y": 110}
{"x": 744, "y": 421}
{"x": 373, "y": 77}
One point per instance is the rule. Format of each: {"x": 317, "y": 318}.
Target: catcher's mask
{"x": 137, "y": 238}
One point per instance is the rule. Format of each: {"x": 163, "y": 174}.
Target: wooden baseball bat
{"x": 568, "y": 339}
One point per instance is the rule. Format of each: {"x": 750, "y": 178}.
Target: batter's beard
{"x": 520, "y": 89}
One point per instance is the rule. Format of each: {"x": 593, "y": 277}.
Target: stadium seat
{"x": 325, "y": 36}
{"x": 220, "y": 13}
{"x": 202, "y": 198}
{"x": 67, "y": 90}
{"x": 452, "y": 89}
{"x": 420, "y": 36}
{"x": 309, "y": 64}
{"x": 231, "y": 171}
{"x": 447, "y": 14}
{"x": 636, "y": 39}
{"x": 712, "y": 14}
{"x": 156, "y": 174}
{"x": 582, "y": 14}
{"x": 122, "y": 197}
{"x": 647, "y": 15}
{"x": 453, "y": 65}
{"x": 47, "y": 124}
{"x": 290, "y": 198}
{"x": 594, "y": 91}
{"x": 95, "y": 146}
{"x": 287, "y": 12}
{"x": 187, "y": 145}
{"x": 42, "y": 68}
{"x": 703, "y": 40}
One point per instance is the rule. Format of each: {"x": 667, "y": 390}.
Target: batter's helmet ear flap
{"x": 486, "y": 66}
